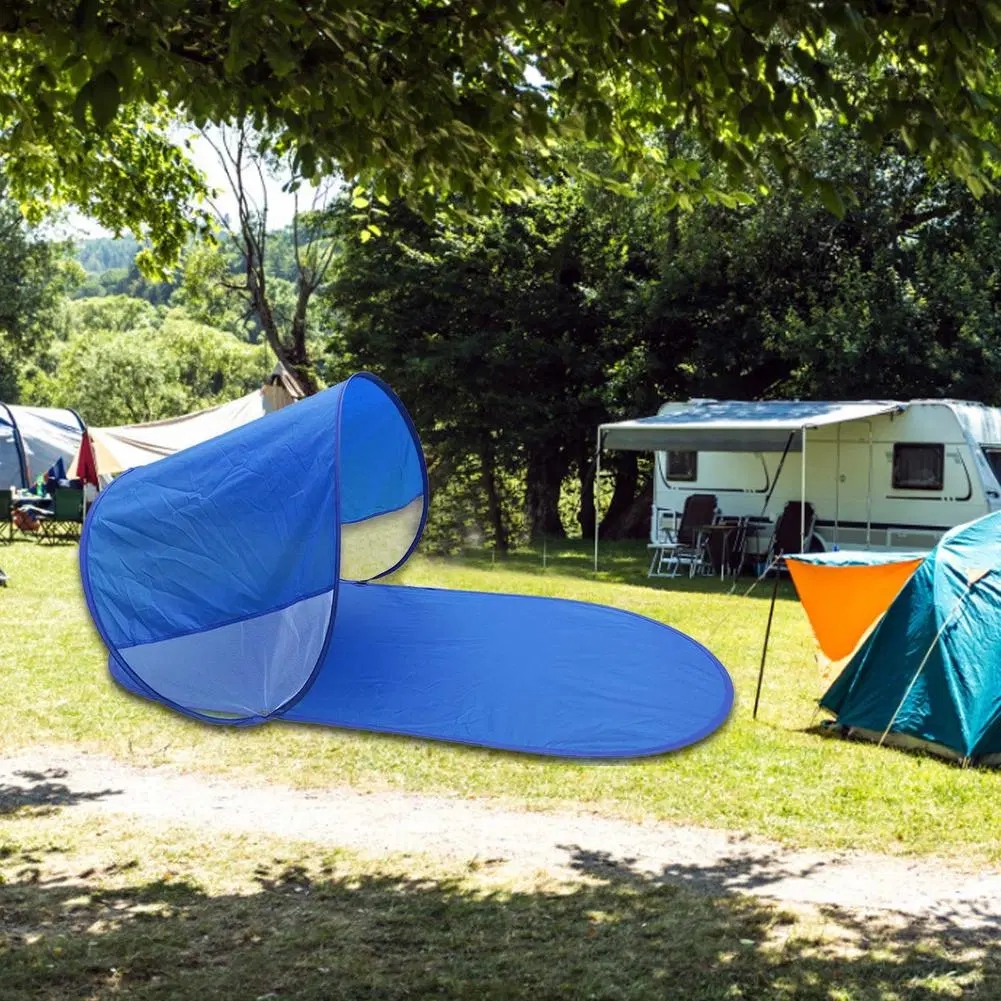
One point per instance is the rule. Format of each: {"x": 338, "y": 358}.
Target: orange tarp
{"x": 843, "y": 601}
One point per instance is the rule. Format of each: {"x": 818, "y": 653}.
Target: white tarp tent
{"x": 733, "y": 426}
{"x": 33, "y": 439}
{"x": 113, "y": 450}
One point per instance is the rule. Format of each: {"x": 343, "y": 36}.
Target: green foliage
{"x": 497, "y": 333}
{"x": 435, "y": 97}
{"x": 34, "y": 275}
{"x": 512, "y": 336}
{"x": 103, "y": 253}
{"x": 212, "y": 365}
{"x": 115, "y": 377}
{"x": 125, "y": 361}
{"x": 118, "y": 313}
{"x": 207, "y": 270}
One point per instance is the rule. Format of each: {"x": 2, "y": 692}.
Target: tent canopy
{"x": 226, "y": 582}
{"x": 735, "y": 425}
{"x": 113, "y": 450}
{"x": 32, "y": 439}
{"x": 929, "y": 670}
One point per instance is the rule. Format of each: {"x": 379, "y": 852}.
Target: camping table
{"x": 725, "y": 528}
{"x": 26, "y": 499}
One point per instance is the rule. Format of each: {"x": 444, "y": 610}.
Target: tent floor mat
{"x": 537, "y": 675}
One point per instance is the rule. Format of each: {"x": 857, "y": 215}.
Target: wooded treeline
{"x": 512, "y": 333}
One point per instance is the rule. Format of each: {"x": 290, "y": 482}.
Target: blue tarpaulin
{"x": 230, "y": 582}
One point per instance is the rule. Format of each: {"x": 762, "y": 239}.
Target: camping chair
{"x": 688, "y": 545}
{"x": 727, "y": 546}
{"x": 786, "y": 536}
{"x": 64, "y": 522}
{"x": 6, "y": 516}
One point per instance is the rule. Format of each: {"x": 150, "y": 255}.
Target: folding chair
{"x": 786, "y": 537}
{"x": 6, "y": 516}
{"x": 688, "y": 545}
{"x": 65, "y": 522}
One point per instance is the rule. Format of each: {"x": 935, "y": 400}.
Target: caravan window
{"x": 994, "y": 458}
{"x": 682, "y": 466}
{"x": 918, "y": 467}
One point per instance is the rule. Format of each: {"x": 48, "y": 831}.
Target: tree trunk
{"x": 494, "y": 510}
{"x": 294, "y": 356}
{"x": 543, "y": 482}
{"x": 300, "y": 364}
{"x": 626, "y": 478}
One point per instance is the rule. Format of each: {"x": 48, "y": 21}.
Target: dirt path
{"x": 562, "y": 843}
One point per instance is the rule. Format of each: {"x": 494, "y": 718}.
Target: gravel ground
{"x": 564, "y": 844}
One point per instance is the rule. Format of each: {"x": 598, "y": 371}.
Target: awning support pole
{"x": 597, "y": 477}
{"x": 764, "y": 648}
{"x": 837, "y": 483}
{"x": 868, "y": 497}
{"x": 802, "y": 495}
{"x": 778, "y": 472}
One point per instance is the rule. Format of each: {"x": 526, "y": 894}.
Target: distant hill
{"x": 106, "y": 253}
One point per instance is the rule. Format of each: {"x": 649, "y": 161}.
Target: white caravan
{"x": 882, "y": 475}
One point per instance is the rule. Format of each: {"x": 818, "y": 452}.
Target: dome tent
{"x": 228, "y": 582}
{"x": 929, "y": 674}
{"x": 33, "y": 439}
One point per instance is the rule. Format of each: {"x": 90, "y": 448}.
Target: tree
{"x": 125, "y": 362}
{"x": 34, "y": 274}
{"x": 440, "y": 96}
{"x": 245, "y": 160}
{"x": 498, "y": 335}
{"x": 514, "y": 335}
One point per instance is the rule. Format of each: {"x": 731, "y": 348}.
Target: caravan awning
{"x": 735, "y": 425}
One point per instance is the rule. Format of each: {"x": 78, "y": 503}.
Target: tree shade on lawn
{"x": 230, "y": 582}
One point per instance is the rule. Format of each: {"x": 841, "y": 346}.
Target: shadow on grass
{"x": 336, "y": 934}
{"x": 619, "y": 563}
{"x": 40, "y": 793}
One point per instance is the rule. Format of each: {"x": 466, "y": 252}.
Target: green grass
{"x": 769, "y": 778}
{"x": 101, "y": 911}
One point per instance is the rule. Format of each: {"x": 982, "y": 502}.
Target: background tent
{"x": 929, "y": 672}
{"x": 34, "y": 438}
{"x": 105, "y": 452}
{"x": 225, "y": 582}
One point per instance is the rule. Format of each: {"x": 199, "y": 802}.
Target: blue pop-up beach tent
{"x": 227, "y": 582}
{"x": 929, "y": 674}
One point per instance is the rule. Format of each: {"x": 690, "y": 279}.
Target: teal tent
{"x": 929, "y": 675}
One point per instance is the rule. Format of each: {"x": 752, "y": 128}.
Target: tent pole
{"x": 802, "y": 494}
{"x": 868, "y": 498}
{"x": 764, "y": 648}
{"x": 597, "y": 476}
{"x": 837, "y": 484}
{"x": 924, "y": 660}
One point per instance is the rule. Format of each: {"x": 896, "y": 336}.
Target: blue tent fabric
{"x": 231, "y": 582}
{"x": 944, "y": 630}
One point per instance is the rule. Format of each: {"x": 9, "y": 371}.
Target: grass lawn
{"x": 769, "y": 778}
{"x": 102, "y": 910}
